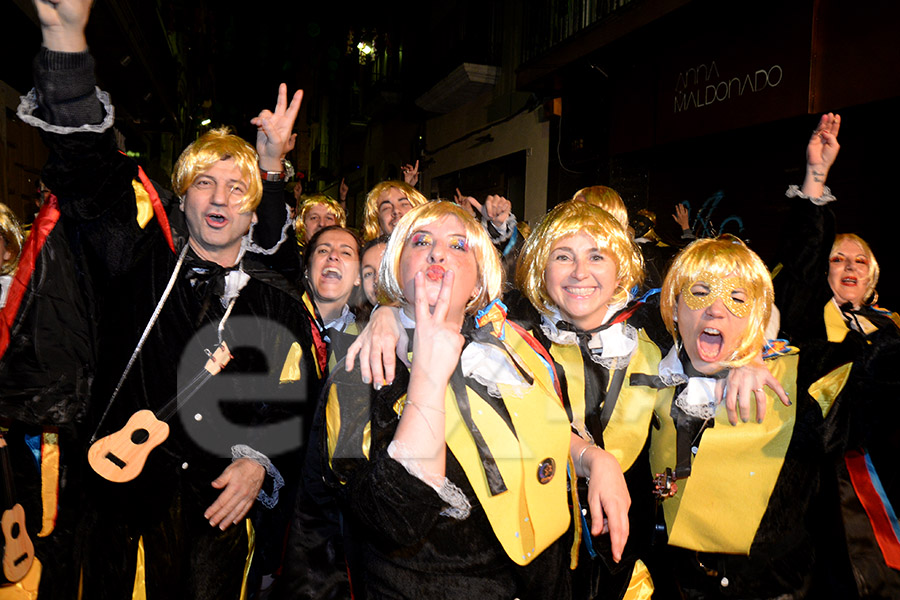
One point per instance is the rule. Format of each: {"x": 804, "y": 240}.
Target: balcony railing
{"x": 551, "y": 22}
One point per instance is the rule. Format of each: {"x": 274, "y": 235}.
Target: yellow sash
{"x": 628, "y": 426}
{"x": 529, "y": 515}
{"x": 720, "y": 506}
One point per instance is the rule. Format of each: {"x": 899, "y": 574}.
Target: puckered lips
{"x": 435, "y": 273}
{"x": 710, "y": 344}
{"x": 216, "y": 220}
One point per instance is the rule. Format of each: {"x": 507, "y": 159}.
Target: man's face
{"x": 317, "y": 217}
{"x": 392, "y": 204}
{"x": 211, "y": 206}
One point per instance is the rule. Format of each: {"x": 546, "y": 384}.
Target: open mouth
{"x": 332, "y": 273}
{"x": 216, "y": 220}
{"x": 851, "y": 281}
{"x": 435, "y": 273}
{"x": 709, "y": 344}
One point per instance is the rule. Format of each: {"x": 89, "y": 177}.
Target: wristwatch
{"x": 274, "y": 175}
{"x": 271, "y": 175}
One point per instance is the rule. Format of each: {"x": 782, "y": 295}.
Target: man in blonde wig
{"x": 176, "y": 298}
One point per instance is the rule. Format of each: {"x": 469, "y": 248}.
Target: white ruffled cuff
{"x": 793, "y": 191}
{"x": 244, "y": 451}
{"x": 28, "y": 104}
{"x": 459, "y": 508}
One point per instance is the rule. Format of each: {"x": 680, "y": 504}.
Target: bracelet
{"x": 420, "y": 407}
{"x": 581, "y": 455}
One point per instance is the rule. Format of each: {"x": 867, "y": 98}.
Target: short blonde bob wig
{"x": 606, "y": 198}
{"x": 490, "y": 272}
{"x": 723, "y": 257}
{"x": 210, "y": 148}
{"x": 11, "y": 232}
{"x": 570, "y": 218}
{"x": 874, "y": 270}
{"x": 371, "y": 226}
{"x": 331, "y": 205}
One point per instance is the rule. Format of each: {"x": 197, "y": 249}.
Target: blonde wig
{"x": 571, "y": 218}
{"x": 723, "y": 257}
{"x": 606, "y": 198}
{"x": 371, "y": 226}
{"x": 490, "y": 272}
{"x": 874, "y": 270}
{"x": 333, "y": 206}
{"x": 11, "y": 232}
{"x": 210, "y": 148}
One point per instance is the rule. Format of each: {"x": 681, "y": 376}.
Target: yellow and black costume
{"x": 605, "y": 407}
{"x": 497, "y": 527}
{"x": 742, "y": 523}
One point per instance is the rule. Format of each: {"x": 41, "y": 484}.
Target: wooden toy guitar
{"x": 18, "y": 552}
{"x": 120, "y": 456}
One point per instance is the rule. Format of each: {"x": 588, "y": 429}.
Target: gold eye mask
{"x": 718, "y": 288}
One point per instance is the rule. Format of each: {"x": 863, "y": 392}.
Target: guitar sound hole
{"x": 14, "y": 530}
{"x": 140, "y": 436}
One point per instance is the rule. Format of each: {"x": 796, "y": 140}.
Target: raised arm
{"x": 821, "y": 152}
{"x": 273, "y": 141}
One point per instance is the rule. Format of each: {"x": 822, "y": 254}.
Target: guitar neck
{"x": 9, "y": 495}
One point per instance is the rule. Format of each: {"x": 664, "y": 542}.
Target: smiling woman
{"x": 332, "y": 274}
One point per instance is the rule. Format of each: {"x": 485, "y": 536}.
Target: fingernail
{"x": 733, "y": 423}
{"x": 759, "y": 420}
{"x": 366, "y": 379}
{"x": 377, "y": 386}
{"x": 790, "y": 403}
{"x": 211, "y": 524}
{"x": 744, "y": 420}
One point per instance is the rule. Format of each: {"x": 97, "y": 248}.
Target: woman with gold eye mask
{"x": 748, "y": 514}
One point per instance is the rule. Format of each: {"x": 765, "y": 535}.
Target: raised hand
{"x": 823, "y": 146}
{"x": 498, "y": 209}
{"x": 821, "y": 152}
{"x": 468, "y": 204}
{"x": 411, "y": 173}
{"x": 63, "y": 23}
{"x": 273, "y": 129}
{"x": 343, "y": 190}
{"x": 681, "y": 216}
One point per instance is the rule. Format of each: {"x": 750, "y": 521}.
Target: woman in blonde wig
{"x": 827, "y": 284}
{"x": 577, "y": 270}
{"x": 461, "y": 491}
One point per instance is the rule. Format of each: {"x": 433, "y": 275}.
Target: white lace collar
{"x": 698, "y": 398}
{"x": 616, "y": 343}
